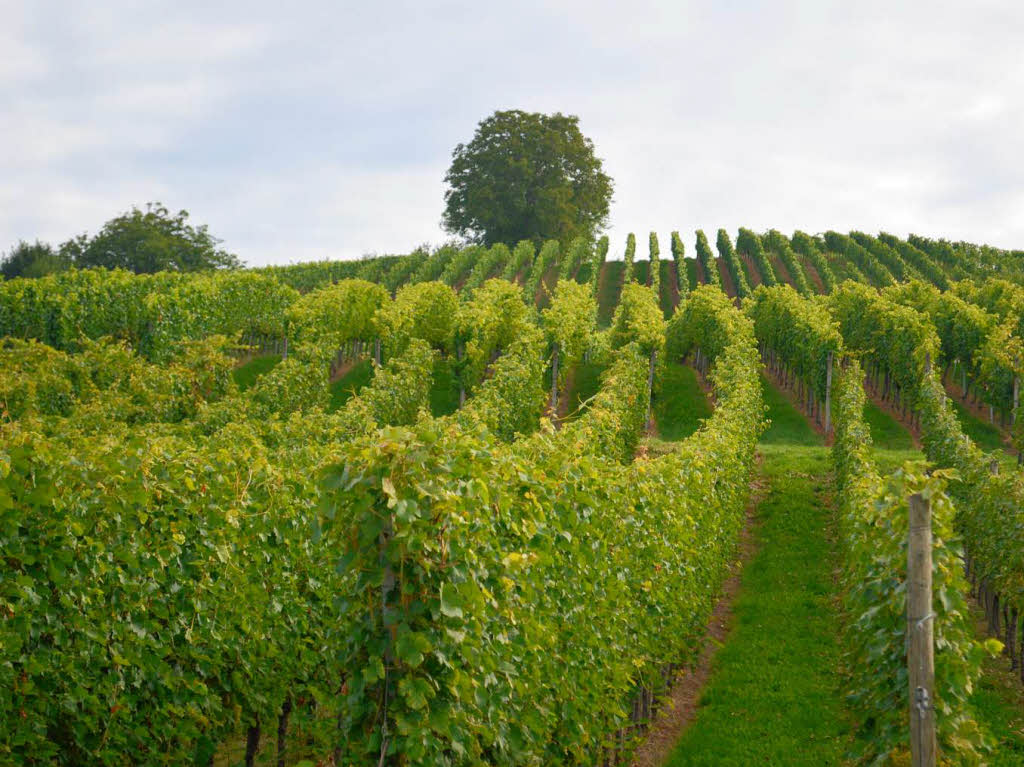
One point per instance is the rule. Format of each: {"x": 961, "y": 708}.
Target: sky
{"x": 317, "y": 129}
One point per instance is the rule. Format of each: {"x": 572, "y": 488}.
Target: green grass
{"x": 608, "y": 294}
{"x": 750, "y": 271}
{"x": 984, "y": 435}
{"x": 246, "y": 374}
{"x": 586, "y": 382}
{"x": 998, "y": 701}
{"x": 886, "y": 432}
{"x": 444, "y": 392}
{"x": 774, "y": 693}
{"x": 349, "y": 384}
{"x": 788, "y": 426}
{"x": 681, "y": 405}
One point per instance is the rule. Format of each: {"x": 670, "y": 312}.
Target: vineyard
{"x": 484, "y": 505}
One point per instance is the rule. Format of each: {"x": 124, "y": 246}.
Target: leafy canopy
{"x": 150, "y": 241}
{"x": 526, "y": 175}
{"x": 32, "y": 259}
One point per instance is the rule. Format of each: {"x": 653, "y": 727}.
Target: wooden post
{"x": 921, "y": 649}
{"x": 554, "y": 380}
{"x": 828, "y": 395}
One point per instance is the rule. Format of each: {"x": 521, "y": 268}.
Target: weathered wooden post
{"x": 920, "y": 644}
{"x": 828, "y": 394}
{"x": 554, "y": 380}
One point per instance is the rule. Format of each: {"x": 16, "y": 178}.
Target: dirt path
{"x": 673, "y": 284}
{"x": 345, "y": 368}
{"x": 564, "y": 395}
{"x": 602, "y": 278}
{"x": 727, "y": 284}
{"x": 780, "y": 270}
{"x": 812, "y": 275}
{"x": 702, "y": 277}
{"x": 753, "y": 275}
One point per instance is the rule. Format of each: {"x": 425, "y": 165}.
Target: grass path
{"x": 773, "y": 696}
{"x": 248, "y": 372}
{"x": 787, "y": 425}
{"x": 984, "y": 434}
{"x": 680, "y": 405}
{"x": 998, "y": 702}
{"x": 348, "y": 385}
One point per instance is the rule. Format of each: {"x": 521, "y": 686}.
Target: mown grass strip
{"x": 348, "y": 385}
{"x": 886, "y": 432}
{"x": 681, "y": 405}
{"x": 774, "y": 696}
{"x": 444, "y": 393}
{"x": 585, "y": 383}
{"x": 788, "y": 425}
{"x": 247, "y": 373}
{"x": 984, "y": 434}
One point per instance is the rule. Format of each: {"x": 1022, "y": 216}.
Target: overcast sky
{"x": 323, "y": 129}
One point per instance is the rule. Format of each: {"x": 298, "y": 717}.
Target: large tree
{"x": 150, "y": 240}
{"x": 526, "y": 176}
{"x": 32, "y": 259}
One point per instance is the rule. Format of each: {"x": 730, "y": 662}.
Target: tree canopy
{"x": 150, "y": 240}
{"x": 526, "y": 175}
{"x": 32, "y": 259}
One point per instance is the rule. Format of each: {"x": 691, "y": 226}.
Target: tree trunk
{"x": 554, "y": 380}
{"x": 282, "y": 730}
{"x": 252, "y": 743}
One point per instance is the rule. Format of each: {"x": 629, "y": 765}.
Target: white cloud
{"x": 324, "y": 129}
